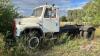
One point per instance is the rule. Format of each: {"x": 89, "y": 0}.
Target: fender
{"x": 27, "y": 30}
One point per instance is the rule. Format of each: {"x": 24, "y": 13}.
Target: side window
{"x": 49, "y": 13}
{"x": 54, "y": 13}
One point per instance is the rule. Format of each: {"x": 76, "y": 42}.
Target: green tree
{"x": 92, "y": 13}
{"x": 63, "y": 18}
{"x": 7, "y": 14}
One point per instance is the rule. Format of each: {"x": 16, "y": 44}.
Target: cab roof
{"x": 43, "y": 6}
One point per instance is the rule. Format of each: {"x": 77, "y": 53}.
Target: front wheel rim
{"x": 33, "y": 42}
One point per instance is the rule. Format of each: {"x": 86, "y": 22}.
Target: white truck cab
{"x": 43, "y": 17}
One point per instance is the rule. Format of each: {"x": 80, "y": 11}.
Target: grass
{"x": 70, "y": 48}
{"x": 97, "y": 33}
{"x": 2, "y": 43}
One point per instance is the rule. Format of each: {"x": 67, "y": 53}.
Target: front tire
{"x": 30, "y": 40}
{"x": 34, "y": 39}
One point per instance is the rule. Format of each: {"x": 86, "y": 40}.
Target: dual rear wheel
{"x": 88, "y": 34}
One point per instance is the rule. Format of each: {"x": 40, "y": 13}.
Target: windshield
{"x": 37, "y": 12}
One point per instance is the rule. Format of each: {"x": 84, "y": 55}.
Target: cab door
{"x": 51, "y": 20}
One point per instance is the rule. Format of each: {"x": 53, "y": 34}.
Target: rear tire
{"x": 88, "y": 35}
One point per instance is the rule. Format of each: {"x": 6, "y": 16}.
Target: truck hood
{"x": 27, "y": 20}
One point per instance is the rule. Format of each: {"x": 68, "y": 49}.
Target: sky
{"x": 25, "y": 7}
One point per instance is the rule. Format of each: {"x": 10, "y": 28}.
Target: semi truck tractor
{"x": 45, "y": 19}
